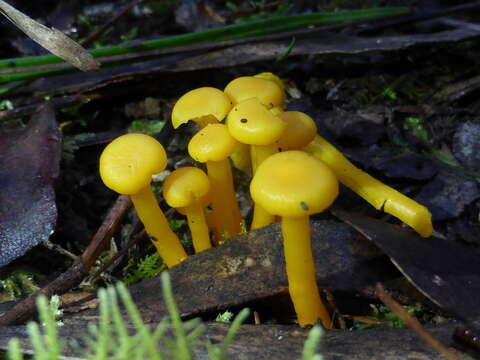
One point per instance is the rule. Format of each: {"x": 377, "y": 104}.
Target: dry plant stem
{"x": 74, "y": 275}
{"x": 59, "y": 250}
{"x": 398, "y": 310}
{"x": 114, "y": 217}
{"x": 139, "y": 236}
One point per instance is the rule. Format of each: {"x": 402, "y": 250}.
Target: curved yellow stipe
{"x": 375, "y": 192}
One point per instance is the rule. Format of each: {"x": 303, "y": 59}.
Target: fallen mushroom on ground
{"x": 295, "y": 174}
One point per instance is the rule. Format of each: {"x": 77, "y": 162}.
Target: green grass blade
{"x": 229, "y": 32}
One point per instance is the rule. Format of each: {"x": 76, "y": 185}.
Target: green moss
{"x": 17, "y": 285}
{"x": 150, "y": 266}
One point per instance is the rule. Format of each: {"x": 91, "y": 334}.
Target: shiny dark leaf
{"x": 29, "y": 161}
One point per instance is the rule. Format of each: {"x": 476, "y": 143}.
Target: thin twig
{"x": 105, "y": 231}
{"x": 59, "y": 250}
{"x": 139, "y": 236}
{"x": 398, "y": 310}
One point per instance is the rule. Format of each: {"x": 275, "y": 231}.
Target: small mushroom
{"x": 252, "y": 123}
{"x": 126, "y": 166}
{"x": 208, "y": 105}
{"x": 272, "y": 77}
{"x": 186, "y": 188}
{"x": 247, "y": 87}
{"x": 295, "y": 185}
{"x": 213, "y": 145}
{"x": 205, "y": 105}
{"x": 301, "y": 130}
{"x": 376, "y": 193}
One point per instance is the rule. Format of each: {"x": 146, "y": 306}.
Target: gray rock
{"x": 447, "y": 195}
{"x": 466, "y": 145}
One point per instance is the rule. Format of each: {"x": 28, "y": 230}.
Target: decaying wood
{"x": 251, "y": 267}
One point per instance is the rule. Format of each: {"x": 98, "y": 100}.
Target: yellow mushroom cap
{"x": 293, "y": 184}
{"x": 185, "y": 186}
{"x": 301, "y": 130}
{"x": 197, "y": 103}
{"x": 204, "y": 202}
{"x": 272, "y": 77}
{"x": 246, "y": 87}
{"x": 251, "y": 123}
{"x": 212, "y": 143}
{"x": 128, "y": 163}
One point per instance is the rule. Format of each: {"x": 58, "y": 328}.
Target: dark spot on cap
{"x": 243, "y": 120}
{"x": 304, "y": 205}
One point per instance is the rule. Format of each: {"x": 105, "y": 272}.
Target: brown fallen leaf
{"x": 29, "y": 163}
{"x": 446, "y": 272}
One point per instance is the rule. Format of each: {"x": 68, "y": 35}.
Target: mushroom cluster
{"x": 295, "y": 173}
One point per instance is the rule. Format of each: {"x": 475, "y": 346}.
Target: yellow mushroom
{"x": 247, "y": 87}
{"x": 126, "y": 166}
{"x": 301, "y": 130}
{"x": 213, "y": 145}
{"x": 208, "y": 105}
{"x": 272, "y": 77}
{"x": 379, "y": 195}
{"x": 294, "y": 185}
{"x": 251, "y": 123}
{"x": 204, "y": 105}
{"x": 187, "y": 188}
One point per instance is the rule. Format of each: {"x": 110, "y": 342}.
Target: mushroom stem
{"x": 205, "y": 120}
{"x": 258, "y": 154}
{"x": 300, "y": 266}
{"x": 375, "y": 192}
{"x": 261, "y": 152}
{"x": 198, "y": 227}
{"x": 261, "y": 217}
{"x": 163, "y": 238}
{"x": 224, "y": 202}
{"x": 241, "y": 157}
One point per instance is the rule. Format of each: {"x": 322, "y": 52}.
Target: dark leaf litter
{"x": 29, "y": 163}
